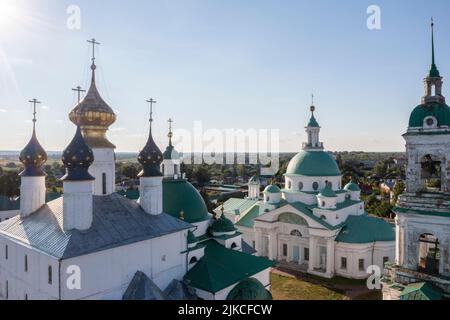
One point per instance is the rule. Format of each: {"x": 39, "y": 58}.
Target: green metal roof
{"x": 179, "y": 195}
{"x": 272, "y": 189}
{"x": 422, "y": 212}
{"x": 440, "y": 111}
{"x": 234, "y": 205}
{"x": 313, "y": 164}
{"x": 221, "y": 267}
{"x": 191, "y": 238}
{"x": 351, "y": 186}
{"x": 223, "y": 224}
{"x": 313, "y": 123}
{"x": 132, "y": 194}
{"x": 248, "y": 219}
{"x": 421, "y": 291}
{"x": 328, "y": 192}
{"x": 249, "y": 289}
{"x": 365, "y": 229}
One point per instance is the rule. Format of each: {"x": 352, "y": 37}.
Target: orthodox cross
{"x": 35, "y": 102}
{"x": 94, "y": 43}
{"x": 170, "y": 130}
{"x": 151, "y": 102}
{"x": 79, "y": 91}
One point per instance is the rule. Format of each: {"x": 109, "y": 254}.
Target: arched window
{"x": 330, "y": 184}
{"x": 296, "y": 233}
{"x": 193, "y": 260}
{"x": 322, "y": 217}
{"x": 315, "y": 186}
{"x": 233, "y": 245}
{"x": 348, "y": 196}
{"x": 300, "y": 186}
{"x": 104, "y": 183}
{"x": 431, "y": 173}
{"x": 162, "y": 169}
{"x": 428, "y": 254}
{"x": 290, "y": 185}
{"x": 323, "y": 203}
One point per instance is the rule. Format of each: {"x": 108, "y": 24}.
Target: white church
{"x": 93, "y": 243}
{"x": 314, "y": 224}
{"x": 422, "y": 265}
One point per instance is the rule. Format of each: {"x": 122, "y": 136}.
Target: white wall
{"x": 106, "y": 275}
{"x": 104, "y": 162}
{"x": 34, "y": 282}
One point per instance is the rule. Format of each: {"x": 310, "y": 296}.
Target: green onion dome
{"x": 272, "y": 189}
{"x": 313, "y": 164}
{"x": 223, "y": 225}
{"x": 351, "y": 186}
{"x": 171, "y": 153}
{"x": 328, "y": 192}
{"x": 440, "y": 111}
{"x": 77, "y": 158}
{"x": 150, "y": 158}
{"x": 33, "y": 157}
{"x": 181, "y": 196}
{"x": 249, "y": 289}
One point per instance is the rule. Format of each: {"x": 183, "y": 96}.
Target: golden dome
{"x": 94, "y": 117}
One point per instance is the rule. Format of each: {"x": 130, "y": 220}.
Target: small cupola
{"x": 150, "y": 157}
{"x": 172, "y": 160}
{"x": 33, "y": 156}
{"x": 77, "y": 158}
{"x": 222, "y": 226}
{"x": 272, "y": 194}
{"x": 353, "y": 191}
{"x": 327, "y": 198}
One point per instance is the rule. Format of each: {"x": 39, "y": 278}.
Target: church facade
{"x": 93, "y": 243}
{"x": 422, "y": 267}
{"x": 314, "y": 224}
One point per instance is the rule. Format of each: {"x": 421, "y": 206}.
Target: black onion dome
{"x": 77, "y": 158}
{"x": 33, "y": 157}
{"x": 151, "y": 158}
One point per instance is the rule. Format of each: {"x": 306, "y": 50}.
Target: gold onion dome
{"x": 33, "y": 157}
{"x": 94, "y": 116}
{"x": 77, "y": 158}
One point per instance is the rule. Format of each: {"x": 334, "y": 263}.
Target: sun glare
{"x": 8, "y": 12}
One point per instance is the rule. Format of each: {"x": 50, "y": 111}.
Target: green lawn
{"x": 286, "y": 288}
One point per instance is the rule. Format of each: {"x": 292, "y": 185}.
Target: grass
{"x": 287, "y": 288}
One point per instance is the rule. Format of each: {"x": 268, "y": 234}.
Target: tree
{"x": 202, "y": 175}
{"x": 10, "y": 184}
{"x": 397, "y": 190}
{"x": 208, "y": 202}
{"x": 380, "y": 169}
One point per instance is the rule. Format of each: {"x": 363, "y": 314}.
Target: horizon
{"x": 199, "y": 66}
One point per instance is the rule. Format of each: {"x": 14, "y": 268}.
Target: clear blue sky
{"x": 232, "y": 64}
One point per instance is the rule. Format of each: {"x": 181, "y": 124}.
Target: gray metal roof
{"x": 178, "y": 290}
{"x": 143, "y": 288}
{"x": 117, "y": 221}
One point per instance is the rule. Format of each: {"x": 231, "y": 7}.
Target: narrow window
{"x": 26, "y": 263}
{"x": 175, "y": 169}
{"x": 6, "y": 252}
{"x": 26, "y": 296}
{"x": 343, "y": 263}
{"x": 50, "y": 275}
{"x": 306, "y": 254}
{"x": 361, "y": 265}
{"x": 285, "y": 250}
{"x": 104, "y": 183}
{"x": 254, "y": 244}
{"x": 7, "y": 289}
{"x": 385, "y": 260}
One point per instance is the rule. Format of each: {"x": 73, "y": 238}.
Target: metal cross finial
{"x": 312, "y": 99}
{"x": 93, "y": 42}
{"x": 170, "y": 127}
{"x": 151, "y": 101}
{"x": 35, "y": 102}
{"x": 79, "y": 91}
{"x": 432, "y": 41}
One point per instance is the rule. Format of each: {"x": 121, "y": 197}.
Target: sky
{"x": 247, "y": 64}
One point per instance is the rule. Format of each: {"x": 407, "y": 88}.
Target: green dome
{"x": 272, "y": 189}
{"x": 171, "y": 153}
{"x": 179, "y": 195}
{"x": 440, "y": 111}
{"x": 223, "y": 224}
{"x": 191, "y": 238}
{"x": 328, "y": 192}
{"x": 313, "y": 164}
{"x": 249, "y": 289}
{"x": 351, "y": 186}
